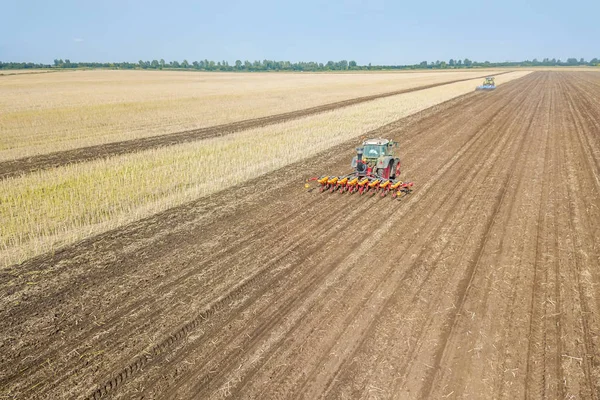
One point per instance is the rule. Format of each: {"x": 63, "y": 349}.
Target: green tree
{"x": 185, "y": 64}
{"x": 352, "y": 64}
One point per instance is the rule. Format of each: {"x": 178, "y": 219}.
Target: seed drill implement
{"x": 376, "y": 171}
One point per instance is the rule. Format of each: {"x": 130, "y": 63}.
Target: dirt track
{"x": 482, "y": 284}
{"x": 12, "y": 168}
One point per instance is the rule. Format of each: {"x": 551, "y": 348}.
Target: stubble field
{"x": 483, "y": 283}
{"x": 45, "y": 113}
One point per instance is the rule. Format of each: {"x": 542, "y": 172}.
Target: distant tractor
{"x": 376, "y": 170}
{"x": 488, "y": 84}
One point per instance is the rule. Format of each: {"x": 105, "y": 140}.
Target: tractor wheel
{"x": 396, "y": 168}
{"x": 382, "y": 172}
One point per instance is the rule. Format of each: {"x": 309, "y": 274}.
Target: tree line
{"x": 270, "y": 65}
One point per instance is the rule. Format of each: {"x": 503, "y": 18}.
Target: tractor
{"x": 376, "y": 170}
{"x": 488, "y": 84}
{"x": 376, "y": 157}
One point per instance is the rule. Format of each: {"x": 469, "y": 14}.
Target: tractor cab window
{"x": 374, "y": 151}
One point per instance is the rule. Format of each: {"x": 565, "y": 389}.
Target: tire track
{"x": 526, "y": 211}
{"x": 270, "y": 317}
{"x": 535, "y": 375}
{"x": 464, "y": 288}
{"x": 477, "y": 154}
{"x": 282, "y": 309}
{"x": 410, "y": 362}
{"x": 249, "y": 377}
{"x": 272, "y": 322}
{"x": 239, "y": 294}
{"x": 425, "y": 326}
{"x": 162, "y": 289}
{"x": 238, "y": 291}
{"x": 575, "y": 222}
{"x": 500, "y": 283}
{"x": 300, "y": 321}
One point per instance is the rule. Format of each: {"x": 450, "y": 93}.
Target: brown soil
{"x": 12, "y": 168}
{"x": 484, "y": 283}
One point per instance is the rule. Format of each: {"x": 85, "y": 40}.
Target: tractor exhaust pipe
{"x": 360, "y": 166}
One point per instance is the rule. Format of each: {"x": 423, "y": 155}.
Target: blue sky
{"x": 376, "y": 31}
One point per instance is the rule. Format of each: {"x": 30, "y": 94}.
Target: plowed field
{"x": 483, "y": 283}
